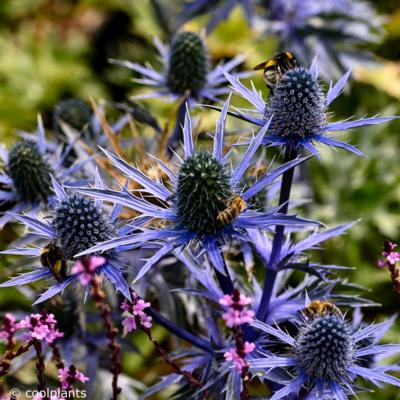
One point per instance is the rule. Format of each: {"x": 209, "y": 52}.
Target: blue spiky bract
{"x": 324, "y": 348}
{"x": 29, "y": 171}
{"x": 188, "y": 64}
{"x": 259, "y": 200}
{"x": 79, "y": 224}
{"x": 202, "y": 192}
{"x": 298, "y": 106}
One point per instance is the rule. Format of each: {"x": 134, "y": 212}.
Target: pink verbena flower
{"x": 69, "y": 375}
{"x": 237, "y": 317}
{"x": 390, "y": 257}
{"x": 8, "y": 328}
{"x": 237, "y": 314}
{"x": 86, "y": 267}
{"x": 41, "y": 327}
{"x": 239, "y": 361}
{"x": 135, "y": 314}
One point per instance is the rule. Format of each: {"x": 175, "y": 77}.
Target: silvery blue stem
{"x": 176, "y": 134}
{"x": 178, "y": 331}
{"x": 286, "y": 185}
{"x": 225, "y": 281}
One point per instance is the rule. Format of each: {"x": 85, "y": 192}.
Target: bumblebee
{"x": 321, "y": 308}
{"x": 276, "y": 67}
{"x": 234, "y": 207}
{"x": 51, "y": 257}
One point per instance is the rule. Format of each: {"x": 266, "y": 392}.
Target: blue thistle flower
{"x": 79, "y": 224}
{"x": 204, "y": 184}
{"x": 76, "y": 224}
{"x": 27, "y": 170}
{"x": 297, "y": 111}
{"x": 326, "y": 357}
{"x": 185, "y": 70}
{"x": 324, "y": 348}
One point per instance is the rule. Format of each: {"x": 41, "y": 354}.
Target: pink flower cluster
{"x": 389, "y": 256}
{"x": 239, "y": 361}
{"x": 86, "y": 267}
{"x": 69, "y": 375}
{"x": 237, "y": 314}
{"x": 40, "y": 327}
{"x": 8, "y": 328}
{"x": 136, "y": 314}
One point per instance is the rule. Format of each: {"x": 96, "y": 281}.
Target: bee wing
{"x": 260, "y": 66}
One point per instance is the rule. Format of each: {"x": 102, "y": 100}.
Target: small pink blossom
{"x": 226, "y": 300}
{"x": 237, "y": 317}
{"x": 393, "y": 257}
{"x": 41, "y": 327}
{"x": 129, "y": 324}
{"x": 69, "y": 375}
{"x": 238, "y": 361}
{"x": 85, "y": 268}
{"x": 135, "y": 314}
{"x": 9, "y": 327}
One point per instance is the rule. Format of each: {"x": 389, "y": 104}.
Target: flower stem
{"x": 165, "y": 356}
{"x": 178, "y": 331}
{"x": 286, "y": 185}
{"x": 225, "y": 281}
{"x": 176, "y": 134}
{"x": 5, "y": 363}
{"x": 116, "y": 366}
{"x": 40, "y": 366}
{"x": 58, "y": 360}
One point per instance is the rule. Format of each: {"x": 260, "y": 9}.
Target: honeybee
{"x": 320, "y": 308}
{"x": 275, "y": 68}
{"x": 234, "y": 207}
{"x": 51, "y": 257}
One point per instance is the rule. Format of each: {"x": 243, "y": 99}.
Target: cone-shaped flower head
{"x": 188, "y": 64}
{"x": 297, "y": 106}
{"x": 202, "y": 192}
{"x": 297, "y": 111}
{"x": 79, "y": 224}
{"x": 29, "y": 171}
{"x": 324, "y": 348}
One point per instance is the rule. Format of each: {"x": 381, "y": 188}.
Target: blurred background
{"x": 56, "y": 49}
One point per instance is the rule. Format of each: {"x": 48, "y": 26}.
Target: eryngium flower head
{"x": 188, "y": 64}
{"x": 326, "y": 357}
{"x": 79, "y": 224}
{"x": 29, "y": 171}
{"x": 73, "y": 112}
{"x": 324, "y": 348}
{"x": 297, "y": 112}
{"x": 76, "y": 224}
{"x": 203, "y": 186}
{"x": 202, "y": 192}
{"x": 185, "y": 71}
{"x": 297, "y": 106}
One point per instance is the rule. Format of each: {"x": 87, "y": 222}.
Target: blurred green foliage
{"x": 56, "y": 49}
